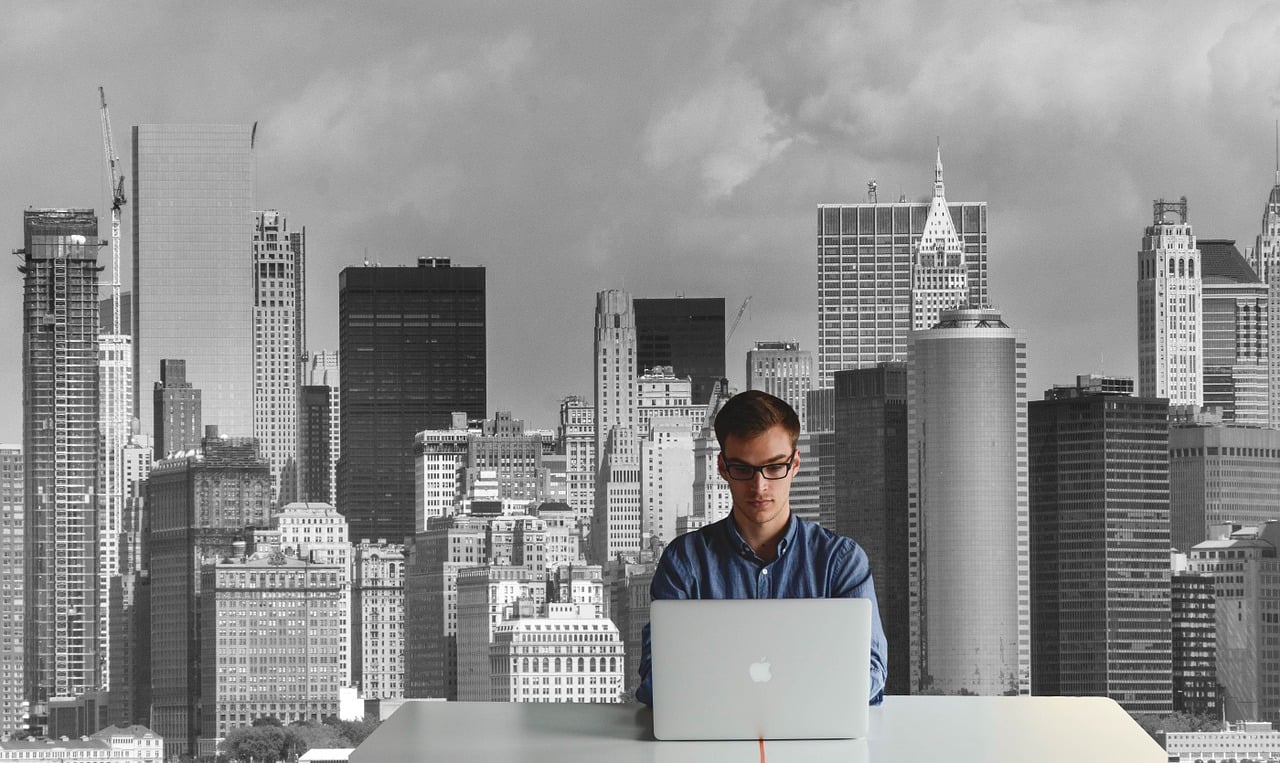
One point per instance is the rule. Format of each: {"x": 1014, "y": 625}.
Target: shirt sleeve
{"x": 670, "y": 581}
{"x": 853, "y": 580}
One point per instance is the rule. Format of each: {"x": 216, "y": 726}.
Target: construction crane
{"x": 737, "y": 320}
{"x": 117, "y": 201}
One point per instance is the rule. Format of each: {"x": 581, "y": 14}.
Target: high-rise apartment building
{"x": 115, "y": 424}
{"x": 1220, "y": 473}
{"x": 1244, "y": 566}
{"x": 615, "y": 528}
{"x": 1170, "y": 326}
{"x": 279, "y": 346}
{"x": 13, "y": 701}
{"x": 576, "y": 441}
{"x": 377, "y": 631}
{"x": 783, "y": 370}
{"x": 1266, "y": 264}
{"x": 686, "y": 334}
{"x": 199, "y": 507}
{"x": 870, "y": 474}
{"x": 1100, "y": 607}
{"x": 1235, "y": 313}
{"x": 412, "y": 348}
{"x": 193, "y": 190}
{"x": 61, "y": 449}
{"x": 967, "y": 490}
{"x": 178, "y": 411}
{"x": 885, "y": 269}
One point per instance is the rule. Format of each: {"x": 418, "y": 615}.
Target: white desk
{"x": 1040, "y": 729}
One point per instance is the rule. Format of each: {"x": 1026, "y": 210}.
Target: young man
{"x": 762, "y": 551}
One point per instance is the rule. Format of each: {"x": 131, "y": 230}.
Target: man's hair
{"x": 753, "y": 412}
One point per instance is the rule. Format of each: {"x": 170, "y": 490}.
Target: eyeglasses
{"x": 770, "y": 471}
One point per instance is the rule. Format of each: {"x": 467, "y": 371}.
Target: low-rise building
{"x": 1255, "y": 741}
{"x": 569, "y": 655}
{"x": 114, "y": 744}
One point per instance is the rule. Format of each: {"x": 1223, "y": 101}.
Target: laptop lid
{"x": 760, "y": 668}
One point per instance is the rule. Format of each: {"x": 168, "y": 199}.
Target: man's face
{"x": 763, "y": 503}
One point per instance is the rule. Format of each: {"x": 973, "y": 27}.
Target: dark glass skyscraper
{"x": 412, "y": 347}
{"x": 178, "y": 410}
{"x": 60, "y": 444}
{"x": 686, "y": 334}
{"x": 1100, "y": 591}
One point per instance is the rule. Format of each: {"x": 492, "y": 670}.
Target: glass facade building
{"x": 686, "y": 334}
{"x": 1220, "y": 473}
{"x": 193, "y": 222}
{"x": 1236, "y": 329}
{"x": 60, "y": 443}
{"x": 1100, "y": 590}
{"x": 967, "y": 506}
{"x": 412, "y": 344}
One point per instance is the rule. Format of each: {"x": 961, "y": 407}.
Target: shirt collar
{"x": 736, "y": 542}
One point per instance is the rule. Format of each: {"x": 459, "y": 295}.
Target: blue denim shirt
{"x": 813, "y": 562}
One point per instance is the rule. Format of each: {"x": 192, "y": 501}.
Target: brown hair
{"x": 753, "y": 412}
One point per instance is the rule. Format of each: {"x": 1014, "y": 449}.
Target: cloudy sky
{"x": 668, "y": 147}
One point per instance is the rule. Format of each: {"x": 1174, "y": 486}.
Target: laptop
{"x": 760, "y": 668}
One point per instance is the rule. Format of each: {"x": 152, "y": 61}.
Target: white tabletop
{"x": 1042, "y": 729}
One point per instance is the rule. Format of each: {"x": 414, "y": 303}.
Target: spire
{"x": 937, "y": 173}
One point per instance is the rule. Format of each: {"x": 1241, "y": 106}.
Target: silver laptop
{"x": 760, "y": 668}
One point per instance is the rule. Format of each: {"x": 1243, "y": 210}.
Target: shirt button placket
{"x": 762, "y": 583}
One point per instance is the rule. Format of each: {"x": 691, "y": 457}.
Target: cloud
{"x": 725, "y": 129}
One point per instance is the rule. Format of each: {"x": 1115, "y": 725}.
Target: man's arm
{"x": 853, "y": 580}
{"x": 670, "y": 581}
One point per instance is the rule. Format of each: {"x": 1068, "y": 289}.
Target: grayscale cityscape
{"x": 373, "y": 354}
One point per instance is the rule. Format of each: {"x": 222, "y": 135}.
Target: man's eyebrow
{"x": 773, "y": 460}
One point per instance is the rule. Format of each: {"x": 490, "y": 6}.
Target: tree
{"x": 1154, "y": 724}
{"x": 305, "y": 736}
{"x": 354, "y": 731}
{"x": 261, "y": 743}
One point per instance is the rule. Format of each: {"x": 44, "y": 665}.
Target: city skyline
{"x": 641, "y": 161}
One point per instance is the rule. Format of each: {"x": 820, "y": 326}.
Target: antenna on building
{"x": 872, "y": 197}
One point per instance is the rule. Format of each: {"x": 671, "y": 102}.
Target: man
{"x": 762, "y": 551}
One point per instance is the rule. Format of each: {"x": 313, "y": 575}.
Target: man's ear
{"x": 720, "y": 466}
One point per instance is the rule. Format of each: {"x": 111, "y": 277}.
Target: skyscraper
{"x": 61, "y": 449}
{"x": 1195, "y": 650}
{"x": 783, "y": 370}
{"x": 967, "y": 503}
{"x": 576, "y": 441}
{"x": 1100, "y": 604}
{"x": 193, "y": 189}
{"x": 615, "y": 365}
{"x": 1266, "y": 264}
{"x": 178, "y": 410}
{"x": 278, "y": 347}
{"x": 412, "y": 343}
{"x": 870, "y": 475}
{"x": 13, "y": 700}
{"x": 885, "y": 269}
{"x": 314, "y": 467}
{"x": 686, "y": 334}
{"x": 1221, "y": 473}
{"x": 1236, "y": 329}
{"x": 115, "y": 423}
{"x": 1170, "y": 357}
{"x": 322, "y": 371}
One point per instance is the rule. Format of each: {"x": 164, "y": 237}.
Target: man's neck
{"x": 763, "y": 540}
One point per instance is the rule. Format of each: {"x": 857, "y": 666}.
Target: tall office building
{"x": 322, "y": 371}
{"x": 615, "y": 528}
{"x": 1100, "y": 607}
{"x": 783, "y": 370}
{"x": 870, "y": 473}
{"x": 412, "y": 344}
{"x": 504, "y": 453}
{"x": 884, "y": 269}
{"x": 483, "y": 593}
{"x": 178, "y": 410}
{"x": 115, "y": 423}
{"x": 199, "y": 505}
{"x": 967, "y": 490}
{"x": 13, "y": 702}
{"x": 576, "y": 441}
{"x": 686, "y": 334}
{"x": 1266, "y": 264}
{"x": 615, "y": 365}
{"x": 279, "y": 347}
{"x": 440, "y": 455}
{"x": 1236, "y": 316}
{"x": 314, "y": 467}
{"x": 193, "y": 190}
{"x": 1244, "y": 566}
{"x": 61, "y": 449}
{"x": 1170, "y": 350}
{"x": 1220, "y": 473}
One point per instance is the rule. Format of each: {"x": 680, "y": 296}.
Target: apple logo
{"x": 760, "y": 671}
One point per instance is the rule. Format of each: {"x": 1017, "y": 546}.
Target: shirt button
{"x": 764, "y": 572}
